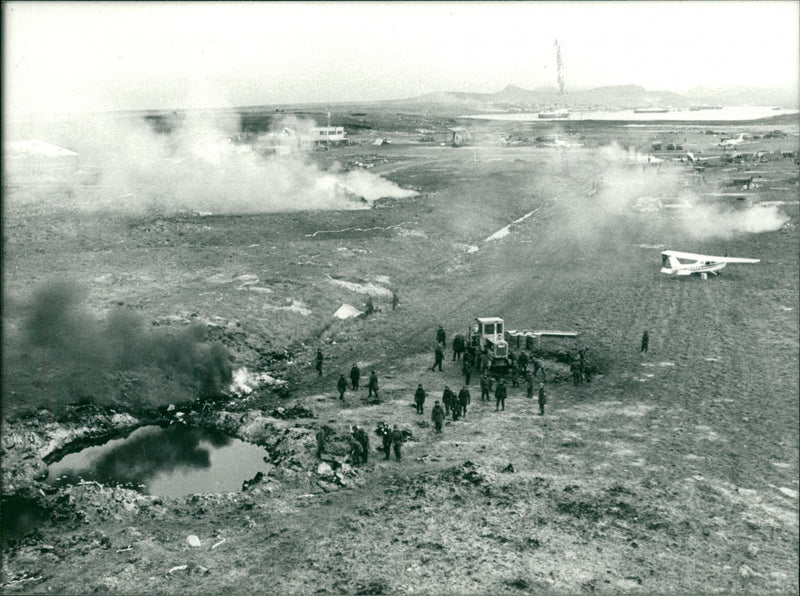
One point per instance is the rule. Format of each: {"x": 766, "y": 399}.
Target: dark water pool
{"x": 170, "y": 461}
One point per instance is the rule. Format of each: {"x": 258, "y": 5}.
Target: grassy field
{"x": 672, "y": 471}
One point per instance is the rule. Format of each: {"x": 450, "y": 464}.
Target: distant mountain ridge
{"x": 615, "y": 96}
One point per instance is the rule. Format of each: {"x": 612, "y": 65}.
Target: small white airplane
{"x": 732, "y": 142}
{"x": 700, "y": 265}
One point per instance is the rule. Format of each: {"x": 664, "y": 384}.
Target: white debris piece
{"x": 503, "y": 232}
{"x": 346, "y": 311}
{"x": 193, "y": 540}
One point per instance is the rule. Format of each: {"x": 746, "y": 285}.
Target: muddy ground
{"x": 671, "y": 471}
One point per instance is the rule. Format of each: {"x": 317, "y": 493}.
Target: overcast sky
{"x": 76, "y": 56}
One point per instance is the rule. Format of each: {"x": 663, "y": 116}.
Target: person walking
{"x": 438, "y": 358}
{"x": 397, "y": 441}
{"x": 372, "y": 385}
{"x": 500, "y": 395}
{"x": 419, "y": 398}
{"x": 319, "y": 360}
{"x": 645, "y": 341}
{"x": 355, "y": 375}
{"x": 464, "y": 399}
{"x": 437, "y": 416}
{"x": 542, "y": 399}
{"x": 341, "y": 385}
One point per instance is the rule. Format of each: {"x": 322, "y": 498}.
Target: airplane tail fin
{"x": 670, "y": 264}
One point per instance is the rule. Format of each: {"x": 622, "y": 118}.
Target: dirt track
{"x": 672, "y": 471}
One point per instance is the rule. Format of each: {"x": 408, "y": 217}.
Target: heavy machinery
{"x": 487, "y": 335}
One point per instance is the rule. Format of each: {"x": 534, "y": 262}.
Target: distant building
{"x": 319, "y": 136}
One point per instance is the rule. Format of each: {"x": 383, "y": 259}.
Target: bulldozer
{"x": 487, "y": 335}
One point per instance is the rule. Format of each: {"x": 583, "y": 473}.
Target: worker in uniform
{"x": 485, "y": 387}
{"x": 372, "y": 385}
{"x": 458, "y": 347}
{"x": 437, "y": 416}
{"x": 319, "y": 360}
{"x": 363, "y": 439}
{"x": 447, "y": 397}
{"x": 529, "y": 387}
{"x": 438, "y": 358}
{"x": 464, "y": 399}
{"x": 645, "y": 341}
{"x": 440, "y": 336}
{"x": 387, "y": 442}
{"x": 455, "y": 407}
{"x": 397, "y": 441}
{"x": 500, "y": 395}
{"x": 522, "y": 362}
{"x": 356, "y": 450}
{"x": 341, "y": 385}
{"x": 542, "y": 399}
{"x": 355, "y": 375}
{"x": 419, "y": 398}
{"x": 466, "y": 369}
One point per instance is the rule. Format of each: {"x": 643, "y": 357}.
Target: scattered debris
{"x": 193, "y": 540}
{"x": 347, "y": 311}
{"x": 217, "y": 544}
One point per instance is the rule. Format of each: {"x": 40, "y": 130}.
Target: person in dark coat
{"x": 356, "y": 451}
{"x": 485, "y": 387}
{"x": 341, "y": 385}
{"x": 466, "y": 369}
{"x": 363, "y": 440}
{"x": 455, "y": 407}
{"x": 395, "y": 300}
{"x": 437, "y": 416}
{"x": 387, "y": 442}
{"x": 464, "y": 399}
{"x": 419, "y": 398}
{"x": 447, "y": 399}
{"x": 645, "y": 341}
{"x": 373, "y": 385}
{"x": 369, "y": 307}
{"x": 529, "y": 386}
{"x": 319, "y": 360}
{"x": 500, "y": 395}
{"x": 440, "y": 336}
{"x": 438, "y": 358}
{"x": 355, "y": 375}
{"x": 397, "y": 441}
{"x": 458, "y": 347}
{"x": 522, "y": 362}
{"x": 542, "y": 399}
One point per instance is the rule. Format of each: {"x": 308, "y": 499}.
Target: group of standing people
{"x": 355, "y": 378}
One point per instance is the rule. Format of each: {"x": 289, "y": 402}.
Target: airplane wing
{"x": 707, "y": 258}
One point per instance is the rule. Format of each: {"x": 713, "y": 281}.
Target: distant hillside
{"x": 617, "y": 96}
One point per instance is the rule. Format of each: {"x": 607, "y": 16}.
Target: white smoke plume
{"x": 710, "y": 221}
{"x": 198, "y": 167}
